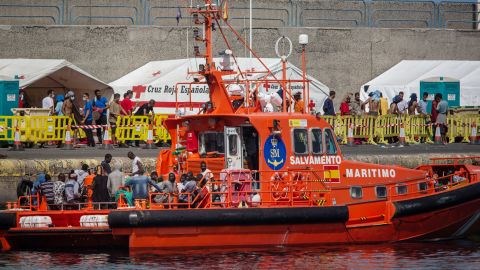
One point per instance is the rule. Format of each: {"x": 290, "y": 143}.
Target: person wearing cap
{"x": 299, "y": 103}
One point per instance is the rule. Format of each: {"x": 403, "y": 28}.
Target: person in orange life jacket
{"x": 299, "y": 103}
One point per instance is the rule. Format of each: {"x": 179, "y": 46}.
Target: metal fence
{"x": 457, "y": 14}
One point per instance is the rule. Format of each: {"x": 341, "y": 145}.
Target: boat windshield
{"x": 212, "y": 141}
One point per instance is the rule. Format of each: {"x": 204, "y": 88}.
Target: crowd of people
{"x": 94, "y": 111}
{"x": 104, "y": 186}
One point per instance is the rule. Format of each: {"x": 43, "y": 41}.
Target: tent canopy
{"x": 36, "y": 76}
{"x": 157, "y": 80}
{"x": 406, "y": 76}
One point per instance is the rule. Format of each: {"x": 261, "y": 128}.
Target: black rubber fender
{"x": 437, "y": 201}
{"x": 223, "y": 217}
{"x": 8, "y": 220}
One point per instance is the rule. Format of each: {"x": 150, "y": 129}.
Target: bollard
{"x": 68, "y": 140}
{"x": 401, "y": 138}
{"x": 107, "y": 140}
{"x": 438, "y": 136}
{"x": 350, "y": 139}
{"x": 150, "y": 144}
{"x": 17, "y": 144}
{"x": 473, "y": 134}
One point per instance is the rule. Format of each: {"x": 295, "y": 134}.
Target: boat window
{"x": 212, "y": 142}
{"x": 401, "y": 189}
{"x": 316, "y": 141}
{"x": 330, "y": 145}
{"x": 381, "y": 191}
{"x": 300, "y": 143}
{"x": 422, "y": 186}
{"x": 232, "y": 145}
{"x": 356, "y": 192}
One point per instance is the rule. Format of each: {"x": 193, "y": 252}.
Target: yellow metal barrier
{"x": 461, "y": 126}
{"x": 8, "y": 124}
{"x": 130, "y": 128}
{"x": 47, "y": 128}
{"x": 418, "y": 128}
{"x": 362, "y": 126}
{"x": 387, "y": 126}
{"x": 34, "y": 128}
{"x": 160, "y": 133}
{"x": 337, "y": 124}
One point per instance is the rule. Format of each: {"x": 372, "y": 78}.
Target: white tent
{"x": 156, "y": 80}
{"x": 36, "y": 76}
{"x": 406, "y": 76}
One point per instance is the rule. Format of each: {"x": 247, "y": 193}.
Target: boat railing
{"x": 245, "y": 191}
{"x": 454, "y": 160}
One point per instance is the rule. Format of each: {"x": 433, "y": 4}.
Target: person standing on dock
{"x": 328, "y": 108}
{"x": 100, "y": 106}
{"x": 88, "y": 119}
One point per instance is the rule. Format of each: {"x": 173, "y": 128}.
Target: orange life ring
{"x": 299, "y": 185}
{"x": 278, "y": 186}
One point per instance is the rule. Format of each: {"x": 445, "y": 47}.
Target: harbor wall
{"x": 342, "y": 58}
{"x": 13, "y": 170}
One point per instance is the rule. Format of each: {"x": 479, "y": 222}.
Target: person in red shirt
{"x": 128, "y": 107}
{"x": 127, "y": 103}
{"x": 345, "y": 106}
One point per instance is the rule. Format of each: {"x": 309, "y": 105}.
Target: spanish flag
{"x": 331, "y": 173}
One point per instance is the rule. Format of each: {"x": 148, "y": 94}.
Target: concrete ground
{"x": 377, "y": 150}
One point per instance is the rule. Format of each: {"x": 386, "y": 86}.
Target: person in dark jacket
{"x": 100, "y": 190}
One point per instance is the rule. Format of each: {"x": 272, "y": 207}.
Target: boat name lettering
{"x": 314, "y": 160}
{"x": 367, "y": 173}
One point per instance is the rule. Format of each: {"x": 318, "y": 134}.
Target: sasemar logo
{"x": 274, "y": 152}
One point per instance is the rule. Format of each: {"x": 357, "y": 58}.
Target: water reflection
{"x": 443, "y": 255}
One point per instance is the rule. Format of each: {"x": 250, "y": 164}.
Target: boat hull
{"x": 209, "y": 228}
{"x": 453, "y": 222}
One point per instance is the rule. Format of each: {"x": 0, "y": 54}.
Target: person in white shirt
{"x": 82, "y": 174}
{"x": 137, "y": 166}
{"x": 422, "y": 104}
{"x": 47, "y": 102}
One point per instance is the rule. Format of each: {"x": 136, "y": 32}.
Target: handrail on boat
{"x": 454, "y": 159}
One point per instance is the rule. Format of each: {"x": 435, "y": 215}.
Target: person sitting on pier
{"x": 140, "y": 186}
